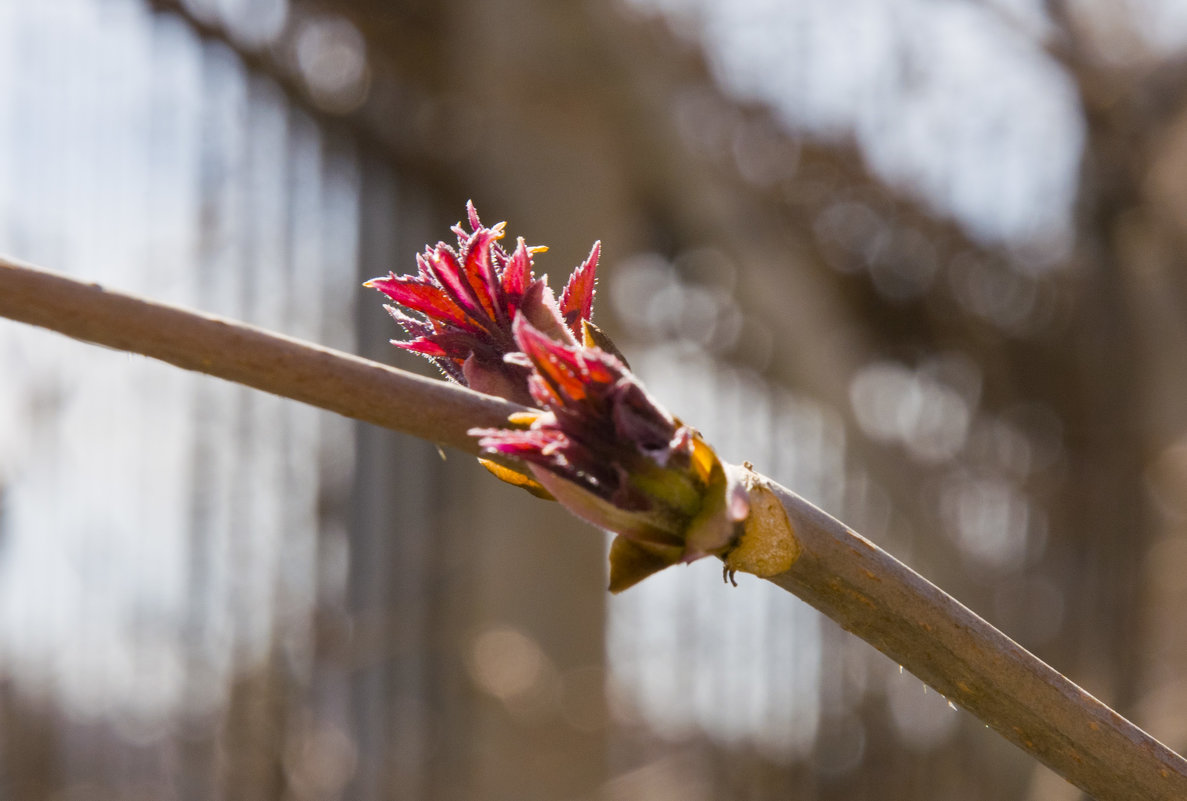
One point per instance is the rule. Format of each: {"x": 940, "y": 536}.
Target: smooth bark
{"x": 978, "y": 668}
{"x": 330, "y": 379}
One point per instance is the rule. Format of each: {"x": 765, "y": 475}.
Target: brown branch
{"x": 329, "y": 379}
{"x": 873, "y": 595}
{"x": 848, "y": 578}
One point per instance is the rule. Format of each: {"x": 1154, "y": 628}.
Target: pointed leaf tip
{"x": 516, "y": 478}
{"x": 632, "y": 561}
{"x": 594, "y": 337}
{"x": 576, "y": 302}
{"x": 373, "y": 283}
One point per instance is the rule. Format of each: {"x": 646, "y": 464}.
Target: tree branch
{"x": 873, "y": 595}
{"x": 342, "y": 383}
{"x": 848, "y": 578}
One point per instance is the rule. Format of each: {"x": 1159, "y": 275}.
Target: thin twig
{"x": 842, "y": 574}
{"x": 329, "y": 379}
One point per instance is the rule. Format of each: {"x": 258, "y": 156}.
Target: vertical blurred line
{"x": 391, "y": 557}
{"x": 297, "y": 452}
{"x": 315, "y": 487}
{"x": 263, "y": 595}
{"x": 126, "y": 50}
{"x": 170, "y": 265}
{"x": 199, "y": 745}
{"x": 327, "y": 264}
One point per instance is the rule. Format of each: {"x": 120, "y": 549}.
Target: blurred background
{"x": 919, "y": 261}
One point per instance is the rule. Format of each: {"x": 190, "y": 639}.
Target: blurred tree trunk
{"x": 30, "y": 746}
{"x": 255, "y": 735}
{"x": 1131, "y": 230}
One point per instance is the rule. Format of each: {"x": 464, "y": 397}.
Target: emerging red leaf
{"x": 460, "y": 305}
{"x": 577, "y": 297}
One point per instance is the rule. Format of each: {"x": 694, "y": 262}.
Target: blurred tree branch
{"x": 850, "y": 579}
